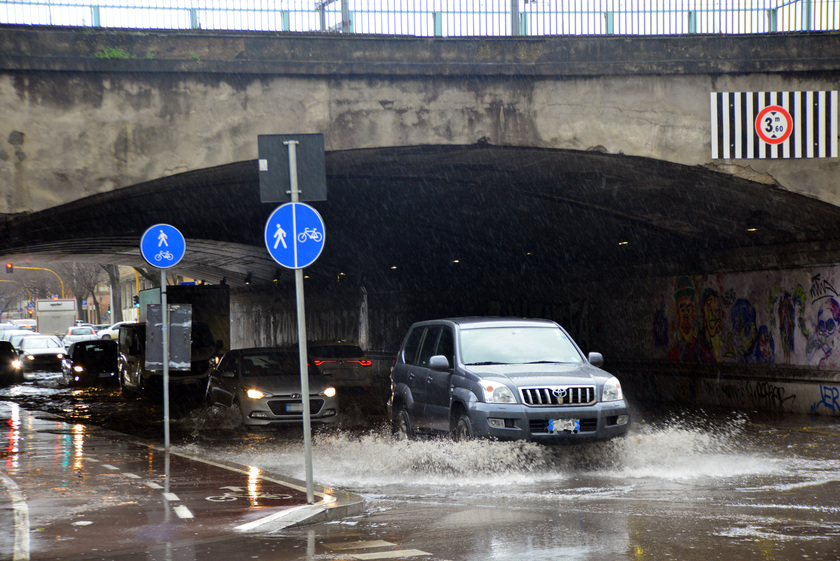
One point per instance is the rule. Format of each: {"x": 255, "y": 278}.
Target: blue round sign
{"x": 162, "y": 246}
{"x": 294, "y": 235}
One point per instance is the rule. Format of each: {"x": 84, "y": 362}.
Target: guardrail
{"x": 440, "y": 18}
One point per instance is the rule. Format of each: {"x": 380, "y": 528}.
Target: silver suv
{"x": 503, "y": 378}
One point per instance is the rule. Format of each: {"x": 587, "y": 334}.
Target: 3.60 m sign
{"x": 773, "y": 124}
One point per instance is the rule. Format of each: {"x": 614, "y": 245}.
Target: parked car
{"x": 344, "y": 363}
{"x": 79, "y": 333}
{"x": 10, "y": 367}
{"x": 506, "y": 379}
{"x": 264, "y": 384}
{"x": 41, "y": 352}
{"x": 91, "y": 362}
{"x": 113, "y": 331}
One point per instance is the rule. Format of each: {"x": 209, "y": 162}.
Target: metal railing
{"x": 440, "y": 18}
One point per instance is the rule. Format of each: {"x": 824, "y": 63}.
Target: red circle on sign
{"x": 773, "y": 124}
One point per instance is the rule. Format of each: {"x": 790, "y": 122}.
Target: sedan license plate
{"x": 556, "y": 426}
{"x": 294, "y": 408}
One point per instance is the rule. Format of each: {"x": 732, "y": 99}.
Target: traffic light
{"x": 29, "y": 312}
{"x": 10, "y": 268}
{"x": 136, "y": 301}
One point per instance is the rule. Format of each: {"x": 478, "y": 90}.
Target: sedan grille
{"x": 558, "y": 395}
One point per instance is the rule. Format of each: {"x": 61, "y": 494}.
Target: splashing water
{"x": 675, "y": 449}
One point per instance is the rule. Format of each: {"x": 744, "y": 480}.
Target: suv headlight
{"x": 494, "y": 392}
{"x": 612, "y": 390}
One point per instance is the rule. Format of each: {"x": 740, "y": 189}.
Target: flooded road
{"x": 696, "y": 485}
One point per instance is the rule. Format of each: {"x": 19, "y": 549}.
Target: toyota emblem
{"x": 559, "y": 392}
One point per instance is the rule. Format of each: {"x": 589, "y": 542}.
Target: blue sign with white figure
{"x": 162, "y": 246}
{"x": 294, "y": 235}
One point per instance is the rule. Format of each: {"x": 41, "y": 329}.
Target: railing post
{"x": 284, "y": 20}
{"x": 807, "y": 7}
{"x": 609, "y": 22}
{"x": 346, "y": 26}
{"x": 772, "y": 19}
{"x": 514, "y": 17}
{"x": 96, "y": 21}
{"x": 692, "y": 21}
{"x": 193, "y": 18}
{"x": 438, "y": 23}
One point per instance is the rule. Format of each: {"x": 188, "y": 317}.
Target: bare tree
{"x": 81, "y": 279}
{"x": 113, "y": 272}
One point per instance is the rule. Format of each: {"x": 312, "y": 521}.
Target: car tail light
{"x": 362, "y": 362}
{"x": 320, "y": 362}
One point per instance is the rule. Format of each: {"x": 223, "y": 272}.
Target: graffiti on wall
{"x": 782, "y": 317}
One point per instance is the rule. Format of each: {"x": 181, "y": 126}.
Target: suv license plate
{"x": 294, "y": 408}
{"x": 563, "y": 425}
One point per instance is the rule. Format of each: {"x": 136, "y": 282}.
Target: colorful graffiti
{"x": 781, "y": 317}
{"x": 830, "y": 400}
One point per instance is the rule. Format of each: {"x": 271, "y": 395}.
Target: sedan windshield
{"x": 40, "y": 343}
{"x": 517, "y": 345}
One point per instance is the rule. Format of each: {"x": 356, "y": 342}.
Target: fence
{"x": 441, "y": 18}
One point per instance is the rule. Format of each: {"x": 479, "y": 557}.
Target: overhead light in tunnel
{"x": 393, "y": 267}
{"x": 623, "y": 243}
{"x": 456, "y": 260}
{"x": 248, "y": 278}
{"x": 752, "y": 229}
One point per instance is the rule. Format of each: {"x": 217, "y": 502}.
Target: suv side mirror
{"x": 596, "y": 359}
{"x": 439, "y": 363}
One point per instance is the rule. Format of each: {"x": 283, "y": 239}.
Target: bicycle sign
{"x": 294, "y": 235}
{"x": 236, "y": 493}
{"x": 162, "y": 246}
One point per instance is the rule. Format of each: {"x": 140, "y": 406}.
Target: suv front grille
{"x": 558, "y": 395}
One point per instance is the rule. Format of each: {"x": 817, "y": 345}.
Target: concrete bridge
{"x": 615, "y": 184}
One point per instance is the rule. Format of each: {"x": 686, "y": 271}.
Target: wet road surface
{"x": 692, "y": 485}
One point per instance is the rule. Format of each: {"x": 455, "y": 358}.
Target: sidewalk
{"x": 71, "y": 491}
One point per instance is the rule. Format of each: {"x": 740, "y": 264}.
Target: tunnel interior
{"x": 457, "y": 222}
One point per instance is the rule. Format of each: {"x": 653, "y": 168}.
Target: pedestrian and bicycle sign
{"x": 294, "y": 235}
{"x": 162, "y": 246}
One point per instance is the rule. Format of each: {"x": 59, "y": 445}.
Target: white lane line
{"x": 152, "y": 485}
{"x": 109, "y": 466}
{"x": 171, "y": 497}
{"x": 344, "y": 546}
{"x": 183, "y": 512}
{"x": 21, "y": 510}
{"x": 398, "y": 554}
{"x": 131, "y": 475}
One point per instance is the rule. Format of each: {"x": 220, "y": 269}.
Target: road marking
{"x": 109, "y": 466}
{"x": 357, "y": 545}
{"x": 131, "y": 475}
{"x": 306, "y": 511}
{"x": 171, "y": 497}
{"x": 152, "y": 485}
{"x": 398, "y": 554}
{"x": 183, "y": 512}
{"x": 21, "y": 511}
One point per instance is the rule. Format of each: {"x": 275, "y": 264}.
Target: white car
{"x": 78, "y": 333}
{"x": 112, "y": 332}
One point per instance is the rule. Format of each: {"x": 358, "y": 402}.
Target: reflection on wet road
{"x": 687, "y": 486}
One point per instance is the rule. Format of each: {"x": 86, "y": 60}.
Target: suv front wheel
{"x": 463, "y": 429}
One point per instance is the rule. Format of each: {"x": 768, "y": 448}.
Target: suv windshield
{"x": 517, "y": 345}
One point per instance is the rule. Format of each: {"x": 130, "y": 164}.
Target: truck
{"x": 55, "y": 316}
{"x": 210, "y": 338}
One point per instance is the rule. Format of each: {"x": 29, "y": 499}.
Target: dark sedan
{"x": 10, "y": 372}
{"x": 91, "y": 362}
{"x": 41, "y": 352}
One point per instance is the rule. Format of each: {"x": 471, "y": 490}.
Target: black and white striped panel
{"x": 815, "y": 125}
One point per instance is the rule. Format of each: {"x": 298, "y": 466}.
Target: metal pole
{"x": 164, "y": 313}
{"x": 301, "y": 317}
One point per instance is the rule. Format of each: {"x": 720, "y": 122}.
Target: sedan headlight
{"x": 329, "y": 392}
{"x": 612, "y": 390}
{"x": 255, "y": 394}
{"x": 16, "y": 363}
{"x": 495, "y": 392}
{"x": 78, "y": 368}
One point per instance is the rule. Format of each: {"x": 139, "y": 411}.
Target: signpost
{"x": 294, "y": 236}
{"x": 163, "y": 246}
